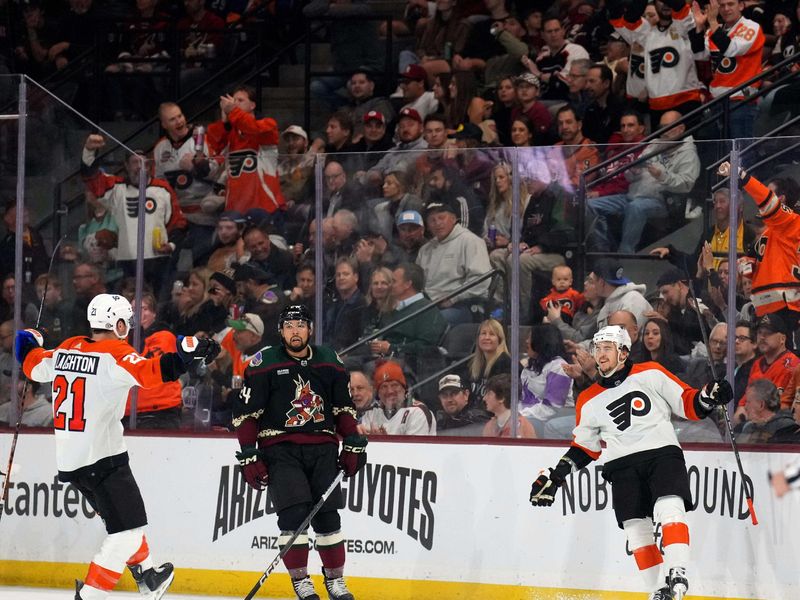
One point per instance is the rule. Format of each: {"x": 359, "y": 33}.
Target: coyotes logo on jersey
{"x": 632, "y": 404}
{"x": 306, "y": 406}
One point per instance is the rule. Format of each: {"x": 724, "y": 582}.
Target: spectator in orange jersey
{"x": 251, "y": 147}
{"x": 157, "y": 407}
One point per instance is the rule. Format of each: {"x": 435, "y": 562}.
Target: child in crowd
{"x": 562, "y": 294}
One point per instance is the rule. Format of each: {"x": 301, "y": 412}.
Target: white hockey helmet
{"x": 616, "y": 334}
{"x": 105, "y": 310}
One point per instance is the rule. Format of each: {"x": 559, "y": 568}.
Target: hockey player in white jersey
{"x": 629, "y": 408}
{"x": 91, "y": 378}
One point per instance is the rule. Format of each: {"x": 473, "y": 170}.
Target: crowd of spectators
{"x": 417, "y": 188}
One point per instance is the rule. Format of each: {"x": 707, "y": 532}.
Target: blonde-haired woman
{"x": 195, "y": 311}
{"x": 491, "y": 358}
{"x": 380, "y": 300}
{"x": 498, "y": 211}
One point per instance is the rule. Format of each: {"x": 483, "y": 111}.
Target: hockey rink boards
{"x": 444, "y": 520}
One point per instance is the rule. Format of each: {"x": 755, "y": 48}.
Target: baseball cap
{"x": 389, "y": 371}
{"x": 374, "y": 115}
{"x": 409, "y": 217}
{"x": 440, "y": 205}
{"x": 610, "y": 271}
{"x": 411, "y": 114}
{"x": 232, "y": 215}
{"x": 243, "y": 272}
{"x": 468, "y": 131}
{"x": 615, "y": 37}
{"x": 297, "y": 130}
{"x": 225, "y": 280}
{"x": 528, "y": 78}
{"x": 248, "y": 322}
{"x": 774, "y": 323}
{"x": 450, "y": 382}
{"x": 415, "y": 72}
{"x": 671, "y": 276}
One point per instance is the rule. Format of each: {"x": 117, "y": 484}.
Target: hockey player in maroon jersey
{"x": 91, "y": 378}
{"x": 294, "y": 402}
{"x": 629, "y": 408}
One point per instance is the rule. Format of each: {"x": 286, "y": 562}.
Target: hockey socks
{"x": 296, "y": 558}
{"x": 141, "y": 557}
{"x": 642, "y": 543}
{"x": 108, "y": 564}
{"x": 671, "y": 513}
{"x": 331, "y": 551}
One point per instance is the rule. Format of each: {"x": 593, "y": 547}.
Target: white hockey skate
{"x": 662, "y": 594}
{"x": 677, "y": 582}
{"x": 154, "y": 582}
{"x": 337, "y": 589}
{"x": 304, "y": 588}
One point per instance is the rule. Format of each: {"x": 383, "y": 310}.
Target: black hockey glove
{"x": 25, "y": 341}
{"x": 353, "y": 455}
{"x": 716, "y": 393}
{"x": 193, "y": 349}
{"x": 253, "y": 467}
{"x": 543, "y": 490}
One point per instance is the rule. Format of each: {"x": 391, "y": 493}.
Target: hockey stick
{"x": 25, "y": 383}
{"x": 748, "y": 493}
{"x": 303, "y": 526}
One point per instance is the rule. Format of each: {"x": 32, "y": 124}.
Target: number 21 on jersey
{"x": 62, "y": 390}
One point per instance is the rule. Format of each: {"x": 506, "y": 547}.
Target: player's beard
{"x": 296, "y": 343}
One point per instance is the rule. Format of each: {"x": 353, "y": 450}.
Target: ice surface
{"x": 19, "y": 593}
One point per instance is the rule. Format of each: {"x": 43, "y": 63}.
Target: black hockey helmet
{"x": 295, "y": 312}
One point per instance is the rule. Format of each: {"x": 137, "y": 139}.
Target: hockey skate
{"x": 662, "y": 594}
{"x": 337, "y": 590}
{"x": 677, "y": 582}
{"x": 304, "y": 588}
{"x": 153, "y": 582}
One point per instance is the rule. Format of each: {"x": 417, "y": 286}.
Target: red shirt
{"x": 570, "y": 300}
{"x": 779, "y": 371}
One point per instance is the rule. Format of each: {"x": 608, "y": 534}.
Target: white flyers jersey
{"x": 409, "y": 420}
{"x": 633, "y": 416}
{"x": 669, "y": 69}
{"x": 189, "y": 188}
{"x": 91, "y": 380}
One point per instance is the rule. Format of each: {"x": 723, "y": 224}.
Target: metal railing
{"x": 412, "y": 315}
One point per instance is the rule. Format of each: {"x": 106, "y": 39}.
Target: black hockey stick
{"x": 748, "y": 489}
{"x": 303, "y": 526}
{"x": 25, "y": 383}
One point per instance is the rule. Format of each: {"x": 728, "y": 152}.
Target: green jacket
{"x": 416, "y": 335}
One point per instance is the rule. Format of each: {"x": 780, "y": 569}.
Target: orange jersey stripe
{"x": 687, "y": 395}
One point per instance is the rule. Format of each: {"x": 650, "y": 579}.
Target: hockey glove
{"x": 716, "y": 393}
{"x": 253, "y": 467}
{"x": 543, "y": 490}
{"x": 25, "y": 341}
{"x": 353, "y": 455}
{"x": 192, "y": 349}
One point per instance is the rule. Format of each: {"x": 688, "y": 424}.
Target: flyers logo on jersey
{"x": 306, "y": 406}
{"x": 666, "y": 57}
{"x": 723, "y": 64}
{"x": 242, "y": 161}
{"x": 637, "y": 66}
{"x": 132, "y": 206}
{"x": 632, "y": 404}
